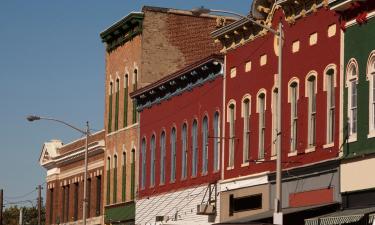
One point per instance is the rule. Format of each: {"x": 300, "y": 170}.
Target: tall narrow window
{"x": 205, "y": 145}
{"x": 312, "y": 111}
{"x": 194, "y": 146}
{"x": 352, "y": 76}
{"x": 132, "y": 178}
{"x": 246, "y": 130}
{"x": 51, "y": 206}
{"x": 371, "y": 78}
{"x": 184, "y": 151}
{"x": 330, "y": 83}
{"x": 275, "y": 119}
{"x": 67, "y": 204}
{"x": 135, "y": 86}
{"x": 143, "y": 149}
{"x": 216, "y": 138}
{"x": 162, "y": 158}
{"x": 110, "y": 107}
{"x": 114, "y": 179}
{"x": 75, "y": 199}
{"x": 123, "y": 191}
{"x": 98, "y": 195}
{"x": 126, "y": 91}
{"x": 293, "y": 116}
{"x": 63, "y": 204}
{"x": 88, "y": 197}
{"x": 108, "y": 180}
{"x": 173, "y": 154}
{"x": 232, "y": 134}
{"x": 117, "y": 103}
{"x": 262, "y": 124}
{"x": 152, "y": 161}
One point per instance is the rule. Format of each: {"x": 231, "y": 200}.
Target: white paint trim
{"x": 329, "y": 145}
{"x": 69, "y": 173}
{"x": 309, "y": 150}
{"x": 354, "y": 21}
{"x": 122, "y": 129}
{"x": 248, "y": 182}
{"x": 341, "y": 86}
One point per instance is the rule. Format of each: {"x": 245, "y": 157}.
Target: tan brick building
{"x": 65, "y": 172}
{"x": 141, "y": 48}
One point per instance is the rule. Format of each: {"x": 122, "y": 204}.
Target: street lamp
{"x": 86, "y": 132}
{"x": 277, "y": 216}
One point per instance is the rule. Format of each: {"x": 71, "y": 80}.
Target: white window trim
{"x": 262, "y": 91}
{"x": 246, "y": 133}
{"x": 349, "y": 79}
{"x": 232, "y": 136}
{"x": 325, "y": 88}
{"x": 293, "y": 152}
{"x": 307, "y": 94}
{"x": 274, "y": 121}
{"x": 370, "y": 76}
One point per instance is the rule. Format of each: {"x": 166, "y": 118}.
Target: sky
{"x": 52, "y": 64}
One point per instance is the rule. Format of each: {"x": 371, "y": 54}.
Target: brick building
{"x": 140, "y": 49}
{"x": 65, "y": 171}
{"x": 180, "y": 145}
{"x": 310, "y": 117}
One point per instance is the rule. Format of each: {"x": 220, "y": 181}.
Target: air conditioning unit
{"x": 205, "y": 209}
{"x": 161, "y": 218}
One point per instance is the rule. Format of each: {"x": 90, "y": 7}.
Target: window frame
{"x": 246, "y": 113}
{"x": 351, "y": 80}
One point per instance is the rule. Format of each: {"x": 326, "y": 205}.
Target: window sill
{"x": 371, "y": 134}
{"x": 230, "y": 167}
{"x": 352, "y": 138}
{"x": 309, "y": 150}
{"x": 293, "y": 153}
{"x": 329, "y": 145}
{"x": 259, "y": 161}
{"x": 245, "y": 164}
{"x": 204, "y": 174}
{"x": 274, "y": 157}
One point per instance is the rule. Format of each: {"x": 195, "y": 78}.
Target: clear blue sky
{"x": 52, "y": 64}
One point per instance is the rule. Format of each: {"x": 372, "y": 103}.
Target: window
{"x": 98, "y": 195}
{"x": 371, "y": 78}
{"x": 245, "y": 203}
{"x": 143, "y": 149}
{"x": 75, "y": 204}
{"x": 114, "y": 179}
{"x": 217, "y": 141}
{"x": 110, "y": 107}
{"x": 311, "y": 88}
{"x": 275, "y": 120}
{"x": 162, "y": 158}
{"x": 205, "y": 145}
{"x": 51, "y": 203}
{"x": 152, "y": 160}
{"x": 246, "y": 129}
{"x": 65, "y": 203}
{"x": 184, "y": 151}
{"x": 123, "y": 176}
{"x": 194, "y": 135}
{"x": 352, "y": 80}
{"x": 173, "y": 154}
{"x": 132, "y": 184}
{"x": 232, "y": 134}
{"x": 135, "y": 86}
{"x": 262, "y": 124}
{"x": 330, "y": 85}
{"x": 108, "y": 180}
{"x": 293, "y": 115}
{"x": 117, "y": 103}
{"x": 88, "y": 197}
{"x": 126, "y": 91}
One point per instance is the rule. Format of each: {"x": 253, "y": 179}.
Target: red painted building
{"x": 180, "y": 144}
{"x": 310, "y": 114}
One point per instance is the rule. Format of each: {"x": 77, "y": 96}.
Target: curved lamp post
{"x": 277, "y": 216}
{"x": 86, "y": 132}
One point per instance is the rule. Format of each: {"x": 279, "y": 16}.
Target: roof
{"x": 343, "y": 217}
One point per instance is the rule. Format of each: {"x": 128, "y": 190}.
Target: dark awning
{"x": 343, "y": 217}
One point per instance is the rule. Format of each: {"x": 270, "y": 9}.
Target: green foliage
{"x": 11, "y": 215}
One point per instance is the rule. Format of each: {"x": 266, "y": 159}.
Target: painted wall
{"x": 297, "y": 64}
{"x": 202, "y": 100}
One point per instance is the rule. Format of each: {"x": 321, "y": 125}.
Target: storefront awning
{"x": 343, "y": 217}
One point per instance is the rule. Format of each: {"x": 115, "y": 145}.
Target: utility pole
{"x": 20, "y": 220}
{"x": 1, "y": 207}
{"x": 39, "y": 205}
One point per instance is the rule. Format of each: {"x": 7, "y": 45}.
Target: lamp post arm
{"x": 277, "y": 33}
{"x": 65, "y": 123}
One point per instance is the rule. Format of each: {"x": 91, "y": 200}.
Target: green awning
{"x": 119, "y": 213}
{"x": 343, "y": 217}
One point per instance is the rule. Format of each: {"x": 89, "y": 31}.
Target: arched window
{"x": 152, "y": 161}
{"x": 205, "y": 145}
{"x": 110, "y": 107}
{"x": 173, "y": 154}
{"x": 194, "y": 135}
{"x": 275, "y": 120}
{"x": 232, "y": 133}
{"x": 144, "y": 157}
{"x": 135, "y": 86}
{"x": 293, "y": 97}
{"x": 311, "y": 90}
{"x": 184, "y": 151}
{"x": 352, "y": 82}
{"x": 108, "y": 180}
{"x": 246, "y": 130}
{"x": 371, "y": 78}
{"x": 262, "y": 124}
{"x": 123, "y": 176}
{"x": 117, "y": 103}
{"x": 114, "y": 179}
{"x": 126, "y": 92}
{"x": 216, "y": 126}
{"x": 330, "y": 86}
{"x": 162, "y": 158}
